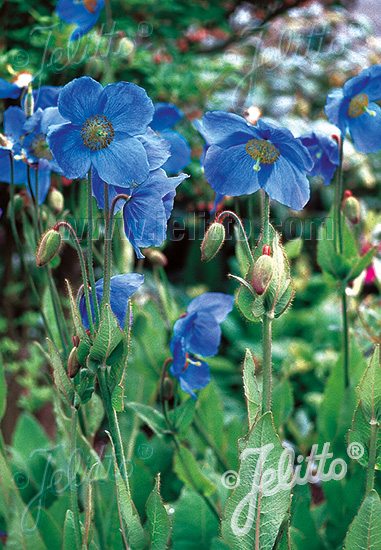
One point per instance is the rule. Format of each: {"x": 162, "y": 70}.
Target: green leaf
{"x": 182, "y": 416}
{"x": 283, "y": 402}
{"x": 3, "y": 390}
{"x": 245, "y": 259}
{"x": 69, "y": 541}
{"x": 252, "y": 516}
{"x": 77, "y": 322}
{"x": 361, "y": 433}
{"x": 293, "y": 248}
{"x": 331, "y": 404}
{"x": 190, "y": 473}
{"x": 362, "y": 264}
{"x": 117, "y": 398}
{"x": 365, "y": 530}
{"x": 252, "y": 393}
{"x": 104, "y": 349}
{"x": 153, "y": 418}
{"x": 130, "y": 522}
{"x": 158, "y": 519}
{"x": 370, "y": 389}
{"x": 328, "y": 259}
{"x": 61, "y": 379}
{"x": 210, "y": 414}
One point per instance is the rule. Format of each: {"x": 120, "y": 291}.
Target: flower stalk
{"x": 90, "y": 247}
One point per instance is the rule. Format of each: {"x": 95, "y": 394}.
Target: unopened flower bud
{"x": 167, "y": 388}
{"x": 29, "y": 101}
{"x": 48, "y": 248}
{"x": 351, "y": 208}
{"x": 263, "y": 272}
{"x": 18, "y": 205}
{"x": 213, "y": 240}
{"x": 73, "y": 365}
{"x": 56, "y": 201}
{"x": 156, "y": 257}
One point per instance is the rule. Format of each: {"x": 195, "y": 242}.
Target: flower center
{"x": 40, "y": 148}
{"x": 358, "y": 105}
{"x": 262, "y": 150}
{"x": 97, "y": 132}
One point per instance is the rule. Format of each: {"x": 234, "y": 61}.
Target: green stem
{"x": 227, "y": 213}
{"x": 60, "y": 318}
{"x": 114, "y": 424}
{"x": 107, "y": 251}
{"x": 266, "y": 218}
{"x": 338, "y": 199}
{"x": 82, "y": 262}
{"x": 266, "y": 346}
{"x": 73, "y": 477}
{"x": 345, "y": 337}
{"x": 372, "y": 456}
{"x": 202, "y": 432}
{"x": 90, "y": 247}
{"x": 35, "y": 206}
{"x": 251, "y": 221}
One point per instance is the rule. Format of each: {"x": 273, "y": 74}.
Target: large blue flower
{"x": 352, "y": 108}
{"x": 84, "y": 13}
{"x": 198, "y": 332}
{"x": 165, "y": 117}
{"x": 324, "y": 151}
{"x": 104, "y": 123}
{"x": 121, "y": 288}
{"x": 243, "y": 158}
{"x": 14, "y": 89}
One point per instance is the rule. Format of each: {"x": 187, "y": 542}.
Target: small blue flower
{"x": 102, "y": 132}
{"x": 121, "y": 288}
{"x": 243, "y": 158}
{"x": 198, "y": 332}
{"x": 165, "y": 117}
{"x": 14, "y": 89}
{"x": 324, "y": 152}
{"x": 352, "y": 108}
{"x": 84, "y": 13}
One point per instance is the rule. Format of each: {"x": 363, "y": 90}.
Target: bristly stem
{"x": 82, "y": 262}
{"x": 251, "y": 221}
{"x": 73, "y": 477}
{"x": 266, "y": 347}
{"x": 107, "y": 250}
{"x": 228, "y": 213}
{"x": 345, "y": 337}
{"x": 90, "y": 247}
{"x": 113, "y": 422}
{"x": 35, "y": 206}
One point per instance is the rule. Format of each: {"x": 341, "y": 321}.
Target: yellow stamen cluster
{"x": 263, "y": 151}
{"x": 358, "y": 105}
{"x": 97, "y": 132}
{"x": 40, "y": 148}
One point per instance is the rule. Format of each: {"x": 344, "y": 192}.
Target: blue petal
{"x": 128, "y": 107}
{"x": 373, "y": 88}
{"x": 198, "y": 124}
{"x": 121, "y": 288}
{"x": 43, "y": 184}
{"x": 157, "y": 148}
{"x": 50, "y": 116}
{"x": 205, "y": 336}
{"x": 14, "y": 118}
{"x": 123, "y": 163}
{"x": 167, "y": 187}
{"x": 194, "y": 377}
{"x": 230, "y": 171}
{"x": 81, "y": 99}
{"x": 217, "y": 200}
{"x": 9, "y": 90}
{"x": 165, "y": 117}
{"x": 19, "y": 167}
{"x": 284, "y": 182}
{"x": 180, "y": 152}
{"x": 46, "y": 96}
{"x": 219, "y": 124}
{"x": 216, "y": 304}
{"x": 179, "y": 355}
{"x": 367, "y": 82}
{"x": 76, "y": 12}
{"x": 336, "y": 109}
{"x": 366, "y": 130}
{"x": 66, "y": 144}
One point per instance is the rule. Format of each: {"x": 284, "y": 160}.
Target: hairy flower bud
{"x": 56, "y": 201}
{"x": 155, "y": 257}
{"x": 48, "y": 247}
{"x": 73, "y": 365}
{"x": 263, "y": 272}
{"x": 29, "y": 101}
{"x": 167, "y": 388}
{"x": 19, "y": 203}
{"x": 351, "y": 208}
{"x": 213, "y": 240}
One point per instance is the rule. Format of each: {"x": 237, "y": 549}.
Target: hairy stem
{"x": 90, "y": 247}
{"x": 73, "y": 477}
{"x": 266, "y": 347}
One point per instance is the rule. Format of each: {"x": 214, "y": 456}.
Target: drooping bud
{"x": 213, "y": 240}
{"x": 167, "y": 388}
{"x": 351, "y": 208}
{"x": 263, "y": 271}
{"x": 48, "y": 247}
{"x": 29, "y": 101}
{"x": 73, "y": 365}
{"x": 56, "y": 201}
{"x": 18, "y": 205}
{"x": 155, "y": 257}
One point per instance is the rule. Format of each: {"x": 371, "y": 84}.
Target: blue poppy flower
{"x": 84, "y": 13}
{"x": 104, "y": 123}
{"x": 10, "y": 144}
{"x": 324, "y": 152}
{"x": 121, "y": 288}
{"x": 165, "y": 117}
{"x": 243, "y": 158}
{"x": 352, "y": 108}
{"x": 13, "y": 90}
{"x": 198, "y": 332}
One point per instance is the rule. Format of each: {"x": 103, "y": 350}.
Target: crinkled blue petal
{"x": 43, "y": 184}
{"x": 81, "y": 99}
{"x": 76, "y": 12}
{"x": 179, "y": 355}
{"x": 9, "y": 90}
{"x": 180, "y": 152}
{"x": 165, "y": 117}
{"x": 204, "y": 337}
{"x": 19, "y": 167}
{"x": 14, "y": 119}
{"x": 157, "y": 148}
{"x": 218, "y": 124}
{"x": 66, "y": 144}
{"x": 113, "y": 191}
{"x": 194, "y": 377}
{"x": 365, "y": 130}
{"x": 336, "y": 110}
{"x": 216, "y": 304}
{"x": 128, "y": 107}
{"x": 46, "y": 96}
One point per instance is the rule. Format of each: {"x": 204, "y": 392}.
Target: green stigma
{"x": 97, "y": 132}
{"x": 263, "y": 151}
